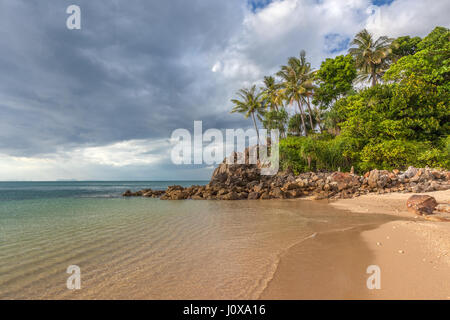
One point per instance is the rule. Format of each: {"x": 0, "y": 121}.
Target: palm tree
{"x": 271, "y": 93}
{"x": 371, "y": 57}
{"x": 297, "y": 84}
{"x": 249, "y": 104}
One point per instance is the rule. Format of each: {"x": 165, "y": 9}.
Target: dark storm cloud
{"x": 136, "y": 69}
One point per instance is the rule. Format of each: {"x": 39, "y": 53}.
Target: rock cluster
{"x": 244, "y": 181}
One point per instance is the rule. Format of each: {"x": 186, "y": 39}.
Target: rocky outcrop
{"x": 148, "y": 193}
{"x": 421, "y": 204}
{"x": 244, "y": 182}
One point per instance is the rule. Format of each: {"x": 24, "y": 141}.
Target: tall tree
{"x": 335, "y": 79}
{"x": 297, "y": 84}
{"x": 249, "y": 104}
{"x": 431, "y": 62}
{"x": 371, "y": 56}
{"x": 270, "y": 93}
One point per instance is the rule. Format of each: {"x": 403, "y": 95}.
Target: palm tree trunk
{"x": 374, "y": 76}
{"x": 302, "y": 116}
{"x": 310, "y": 115}
{"x": 256, "y": 128}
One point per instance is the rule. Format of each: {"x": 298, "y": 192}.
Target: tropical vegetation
{"x": 384, "y": 105}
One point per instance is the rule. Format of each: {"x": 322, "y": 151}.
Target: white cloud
{"x": 410, "y": 17}
{"x": 272, "y": 34}
{"x": 81, "y": 163}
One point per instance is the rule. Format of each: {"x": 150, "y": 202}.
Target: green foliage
{"x": 335, "y": 78}
{"x": 318, "y": 152}
{"x": 431, "y": 63}
{"x": 399, "y": 154}
{"x": 403, "y": 122}
{"x": 295, "y": 125}
{"x": 276, "y": 120}
{"x": 404, "y": 46}
{"x": 413, "y": 110}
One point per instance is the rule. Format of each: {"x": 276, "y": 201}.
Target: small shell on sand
{"x": 401, "y": 251}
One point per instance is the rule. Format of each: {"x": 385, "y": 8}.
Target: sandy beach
{"x": 413, "y": 255}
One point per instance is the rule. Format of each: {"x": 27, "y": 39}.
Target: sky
{"x": 101, "y": 103}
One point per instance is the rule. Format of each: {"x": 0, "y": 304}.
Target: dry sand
{"x": 413, "y": 256}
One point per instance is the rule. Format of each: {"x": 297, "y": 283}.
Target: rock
{"x": 127, "y": 193}
{"x": 411, "y": 172}
{"x": 294, "y": 193}
{"x": 373, "y": 178}
{"x": 290, "y": 186}
{"x": 243, "y": 181}
{"x": 253, "y": 196}
{"x": 230, "y": 196}
{"x": 421, "y": 204}
{"x": 277, "y": 193}
{"x": 148, "y": 194}
{"x": 265, "y": 196}
{"x": 344, "y": 180}
{"x": 222, "y": 192}
{"x": 178, "y": 195}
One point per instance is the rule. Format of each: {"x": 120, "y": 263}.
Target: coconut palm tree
{"x": 371, "y": 56}
{"x": 249, "y": 105}
{"x": 271, "y": 93}
{"x": 297, "y": 84}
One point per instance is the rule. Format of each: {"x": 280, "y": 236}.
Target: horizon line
{"x": 70, "y": 180}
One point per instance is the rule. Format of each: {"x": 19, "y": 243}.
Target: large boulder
{"x": 343, "y": 180}
{"x": 421, "y": 204}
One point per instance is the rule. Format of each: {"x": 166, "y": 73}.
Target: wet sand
{"x": 413, "y": 256}
{"x": 330, "y": 266}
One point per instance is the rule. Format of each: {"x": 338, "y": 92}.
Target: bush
{"x": 399, "y": 154}
{"x": 318, "y": 152}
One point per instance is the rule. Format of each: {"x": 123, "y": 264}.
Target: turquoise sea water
{"x": 144, "y": 248}
{"x": 75, "y": 189}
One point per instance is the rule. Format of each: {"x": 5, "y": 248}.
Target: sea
{"x": 145, "y": 248}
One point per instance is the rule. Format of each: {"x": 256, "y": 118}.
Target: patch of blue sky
{"x": 382, "y": 2}
{"x": 256, "y": 5}
{"x": 335, "y": 42}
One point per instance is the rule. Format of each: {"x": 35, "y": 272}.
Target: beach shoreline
{"x": 413, "y": 255}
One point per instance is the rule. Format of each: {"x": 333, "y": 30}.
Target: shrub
{"x": 399, "y": 154}
{"x": 318, "y": 152}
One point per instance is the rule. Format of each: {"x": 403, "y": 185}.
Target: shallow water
{"x": 141, "y": 248}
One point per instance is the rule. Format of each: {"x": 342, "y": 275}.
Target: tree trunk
{"x": 256, "y": 128}
{"x": 310, "y": 114}
{"x": 302, "y": 116}
{"x": 374, "y": 76}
